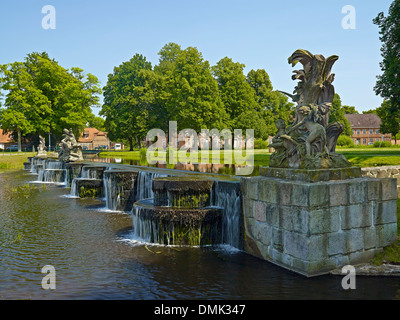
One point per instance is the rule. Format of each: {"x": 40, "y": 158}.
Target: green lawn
{"x": 14, "y": 161}
{"x": 362, "y": 157}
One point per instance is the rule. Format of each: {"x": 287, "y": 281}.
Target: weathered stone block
{"x": 272, "y": 214}
{"x": 262, "y": 233}
{"x": 374, "y": 188}
{"x": 389, "y": 189}
{"x": 361, "y": 256}
{"x": 318, "y": 195}
{"x": 300, "y": 194}
{"x": 354, "y": 240}
{"x": 386, "y": 234}
{"x": 356, "y": 216}
{"x": 305, "y": 247}
{"x": 252, "y": 188}
{"x": 301, "y": 220}
{"x": 369, "y": 238}
{"x": 323, "y": 221}
{"x": 338, "y": 194}
{"x": 286, "y": 217}
{"x": 259, "y": 211}
{"x": 385, "y": 212}
{"x": 268, "y": 190}
{"x": 336, "y": 243}
{"x": 277, "y": 239}
{"x": 357, "y": 191}
{"x": 285, "y": 191}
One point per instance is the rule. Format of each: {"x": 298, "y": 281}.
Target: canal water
{"x": 96, "y": 257}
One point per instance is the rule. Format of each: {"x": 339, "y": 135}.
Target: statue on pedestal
{"x": 41, "y": 149}
{"x": 70, "y": 150}
{"x": 310, "y": 141}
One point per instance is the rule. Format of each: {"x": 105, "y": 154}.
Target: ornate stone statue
{"x": 310, "y": 141}
{"x": 70, "y": 150}
{"x": 41, "y": 150}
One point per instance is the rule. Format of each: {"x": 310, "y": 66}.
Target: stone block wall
{"x": 384, "y": 172}
{"x": 312, "y": 228}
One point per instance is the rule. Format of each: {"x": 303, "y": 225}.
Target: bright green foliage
{"x": 44, "y": 97}
{"x": 124, "y": 116}
{"x": 345, "y": 141}
{"x": 387, "y": 84}
{"x": 191, "y": 94}
{"x": 273, "y": 104}
{"x": 390, "y": 120}
{"x": 338, "y": 114}
{"x": 350, "y": 110}
{"x": 238, "y": 97}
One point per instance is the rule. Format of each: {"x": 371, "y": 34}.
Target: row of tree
{"x": 183, "y": 87}
{"x": 41, "y": 97}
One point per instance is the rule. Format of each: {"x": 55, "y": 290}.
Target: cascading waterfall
{"x": 144, "y": 189}
{"x": 227, "y": 196}
{"x": 52, "y": 172}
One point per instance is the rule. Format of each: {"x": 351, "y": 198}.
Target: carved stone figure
{"x": 41, "y": 150}
{"x": 70, "y": 150}
{"x": 310, "y": 141}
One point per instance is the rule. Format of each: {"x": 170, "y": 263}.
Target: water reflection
{"x": 218, "y": 168}
{"x": 95, "y": 257}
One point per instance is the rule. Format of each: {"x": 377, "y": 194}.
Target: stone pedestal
{"x": 311, "y": 226}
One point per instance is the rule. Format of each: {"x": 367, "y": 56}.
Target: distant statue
{"x": 70, "y": 150}
{"x": 41, "y": 149}
{"x": 310, "y": 141}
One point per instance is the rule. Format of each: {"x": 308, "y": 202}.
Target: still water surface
{"x": 95, "y": 257}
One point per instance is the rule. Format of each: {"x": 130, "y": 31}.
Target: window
{"x": 377, "y": 131}
{"x": 358, "y": 141}
{"x": 371, "y": 131}
{"x": 358, "y": 131}
{"x": 364, "y": 141}
{"x": 354, "y": 131}
{"x": 364, "y": 131}
{"x": 377, "y": 139}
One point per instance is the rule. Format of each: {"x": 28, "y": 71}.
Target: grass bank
{"x": 14, "y": 161}
{"x": 361, "y": 157}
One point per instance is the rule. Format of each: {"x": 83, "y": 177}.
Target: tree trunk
{"x": 19, "y": 140}
{"x": 130, "y": 144}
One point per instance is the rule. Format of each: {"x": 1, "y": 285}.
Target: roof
{"x": 92, "y": 133}
{"x": 368, "y": 120}
{"x": 5, "y": 137}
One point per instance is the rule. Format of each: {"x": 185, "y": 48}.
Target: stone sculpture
{"x": 70, "y": 150}
{"x": 41, "y": 150}
{"x": 310, "y": 141}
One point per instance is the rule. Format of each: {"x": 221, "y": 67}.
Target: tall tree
{"x": 390, "y": 122}
{"x": 27, "y": 109}
{"x": 387, "y": 85}
{"x": 193, "y": 98}
{"x": 239, "y": 97}
{"x": 273, "y": 104}
{"x": 43, "y": 97}
{"x": 124, "y": 116}
{"x": 338, "y": 114}
{"x": 350, "y": 110}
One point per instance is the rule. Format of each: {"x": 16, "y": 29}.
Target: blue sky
{"x": 97, "y": 35}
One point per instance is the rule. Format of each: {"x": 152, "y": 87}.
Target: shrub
{"x": 143, "y": 152}
{"x": 260, "y": 144}
{"x": 382, "y": 144}
{"x": 345, "y": 141}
